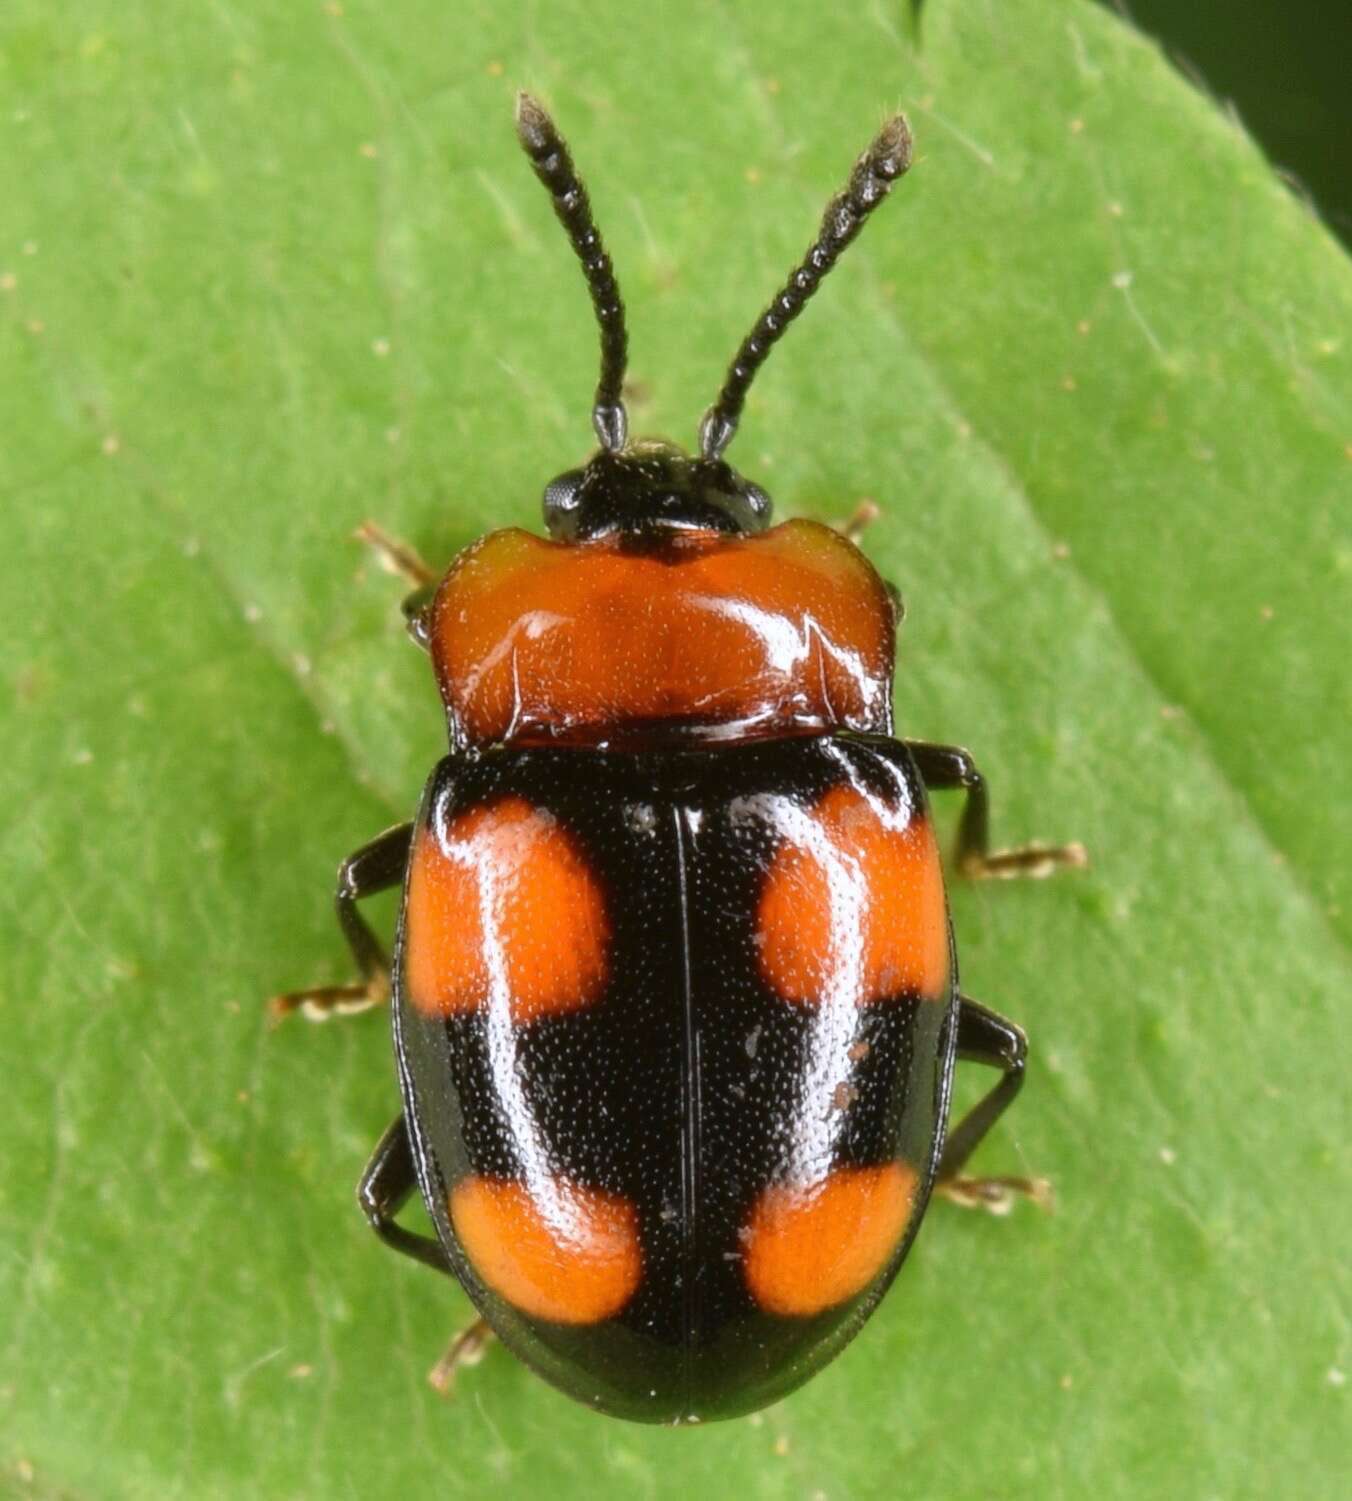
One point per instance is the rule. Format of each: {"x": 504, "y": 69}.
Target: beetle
{"x": 674, "y": 991}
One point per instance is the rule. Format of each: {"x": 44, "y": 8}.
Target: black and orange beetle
{"x": 675, "y": 998}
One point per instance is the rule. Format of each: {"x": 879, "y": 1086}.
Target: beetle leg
{"x": 986, "y": 1037}
{"x": 465, "y": 1350}
{"x": 374, "y": 867}
{"x": 858, "y": 521}
{"x": 388, "y": 1182}
{"x": 401, "y": 559}
{"x": 395, "y": 556}
{"x": 390, "y": 1178}
{"x": 944, "y": 768}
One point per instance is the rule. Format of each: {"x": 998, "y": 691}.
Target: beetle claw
{"x": 465, "y": 1350}
{"x": 323, "y": 1002}
{"x": 859, "y": 520}
{"x": 396, "y": 557}
{"x": 1032, "y": 861}
{"x": 996, "y": 1196}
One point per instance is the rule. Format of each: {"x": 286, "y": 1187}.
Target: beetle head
{"x": 652, "y": 487}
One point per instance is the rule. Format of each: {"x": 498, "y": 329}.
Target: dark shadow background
{"x": 1286, "y": 66}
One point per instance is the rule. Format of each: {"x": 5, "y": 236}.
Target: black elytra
{"x": 674, "y": 992}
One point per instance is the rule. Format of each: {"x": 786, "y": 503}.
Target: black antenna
{"x": 874, "y": 173}
{"x": 548, "y": 154}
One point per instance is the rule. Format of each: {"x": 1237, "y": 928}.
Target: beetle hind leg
{"x": 465, "y": 1350}
{"x": 386, "y": 1186}
{"x": 946, "y": 768}
{"x": 373, "y": 868}
{"x": 986, "y": 1037}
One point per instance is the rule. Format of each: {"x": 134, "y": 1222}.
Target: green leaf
{"x": 269, "y": 270}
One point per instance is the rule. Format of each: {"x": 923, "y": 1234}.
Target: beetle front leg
{"x": 986, "y": 1037}
{"x": 945, "y": 768}
{"x": 399, "y": 558}
{"x": 373, "y": 868}
{"x": 853, "y": 527}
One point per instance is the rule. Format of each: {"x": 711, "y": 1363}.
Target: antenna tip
{"x": 890, "y": 153}
{"x": 534, "y": 128}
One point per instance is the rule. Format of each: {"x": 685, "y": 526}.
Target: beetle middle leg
{"x": 946, "y": 768}
{"x": 986, "y": 1037}
{"x": 373, "y": 868}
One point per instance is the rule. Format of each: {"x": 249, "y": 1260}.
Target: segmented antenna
{"x": 541, "y": 141}
{"x": 874, "y": 173}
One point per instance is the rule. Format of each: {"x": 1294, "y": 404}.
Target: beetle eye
{"x": 759, "y": 502}
{"x": 562, "y": 497}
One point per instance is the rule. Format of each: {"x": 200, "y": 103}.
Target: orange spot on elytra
{"x": 853, "y": 905}
{"x": 806, "y": 1249}
{"x": 557, "y": 1250}
{"x": 503, "y": 910}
